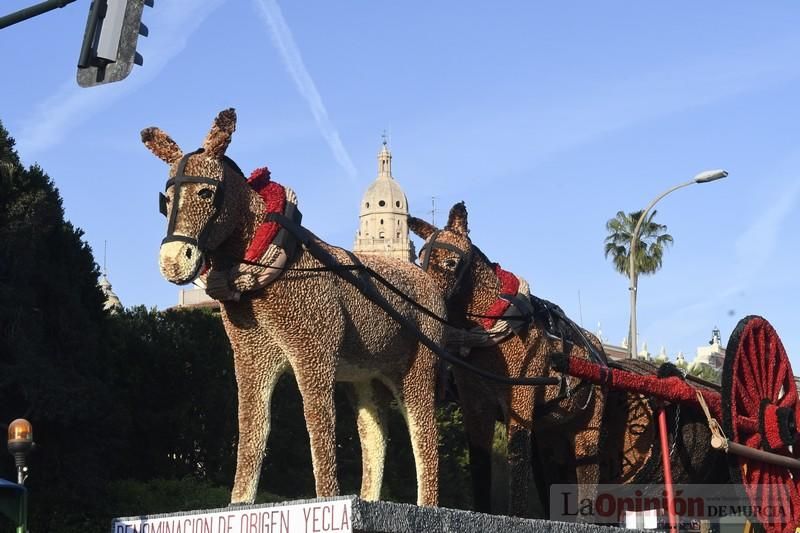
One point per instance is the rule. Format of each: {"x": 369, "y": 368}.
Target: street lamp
{"x": 703, "y": 177}
{"x": 20, "y": 442}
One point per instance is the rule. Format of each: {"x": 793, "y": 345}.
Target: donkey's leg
{"x": 479, "y": 420}
{"x": 256, "y": 376}
{"x": 520, "y": 429}
{"x": 372, "y": 434}
{"x": 316, "y": 385}
{"x": 586, "y": 446}
{"x": 418, "y": 388}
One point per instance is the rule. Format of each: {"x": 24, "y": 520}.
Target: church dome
{"x": 384, "y": 195}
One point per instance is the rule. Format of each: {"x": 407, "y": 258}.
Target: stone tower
{"x": 383, "y": 217}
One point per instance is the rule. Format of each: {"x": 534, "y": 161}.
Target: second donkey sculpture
{"x": 284, "y": 311}
{"x": 478, "y": 293}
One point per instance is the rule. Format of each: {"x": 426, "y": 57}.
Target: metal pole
{"x": 634, "y": 279}
{"x": 754, "y": 454}
{"x": 32, "y": 11}
{"x": 662, "y": 429}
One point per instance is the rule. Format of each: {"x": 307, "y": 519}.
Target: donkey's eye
{"x": 450, "y": 264}
{"x": 205, "y": 194}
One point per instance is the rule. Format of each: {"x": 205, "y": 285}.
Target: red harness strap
{"x": 509, "y": 286}
{"x": 274, "y": 197}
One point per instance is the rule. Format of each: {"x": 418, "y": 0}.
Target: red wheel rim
{"x": 756, "y": 374}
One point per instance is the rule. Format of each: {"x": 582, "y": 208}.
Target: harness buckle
{"x": 564, "y": 386}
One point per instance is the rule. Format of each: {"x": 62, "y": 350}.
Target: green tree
{"x": 653, "y": 240}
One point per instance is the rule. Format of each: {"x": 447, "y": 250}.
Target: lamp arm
{"x": 632, "y": 274}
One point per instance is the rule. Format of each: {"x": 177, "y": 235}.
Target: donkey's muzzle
{"x": 180, "y": 262}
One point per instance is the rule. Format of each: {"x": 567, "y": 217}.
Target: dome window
{"x": 381, "y": 222}
{"x": 366, "y": 205}
{"x": 381, "y": 203}
{"x": 397, "y": 203}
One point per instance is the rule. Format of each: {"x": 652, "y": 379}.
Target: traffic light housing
{"x": 108, "y": 52}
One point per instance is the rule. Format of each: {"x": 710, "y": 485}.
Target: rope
{"x": 718, "y": 438}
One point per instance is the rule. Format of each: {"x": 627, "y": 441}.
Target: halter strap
{"x": 464, "y": 259}
{"x": 177, "y": 181}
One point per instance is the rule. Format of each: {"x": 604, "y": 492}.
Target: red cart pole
{"x": 662, "y": 429}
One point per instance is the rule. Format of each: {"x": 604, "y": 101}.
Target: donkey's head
{"x": 194, "y": 201}
{"x": 447, "y": 253}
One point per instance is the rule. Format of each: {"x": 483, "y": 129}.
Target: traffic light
{"x": 108, "y": 52}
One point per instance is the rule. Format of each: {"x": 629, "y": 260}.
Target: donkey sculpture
{"x": 477, "y": 292}
{"x": 284, "y": 311}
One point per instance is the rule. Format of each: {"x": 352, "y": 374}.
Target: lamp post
{"x": 20, "y": 443}
{"x": 703, "y": 177}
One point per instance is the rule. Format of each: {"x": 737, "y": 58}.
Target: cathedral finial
{"x": 385, "y": 158}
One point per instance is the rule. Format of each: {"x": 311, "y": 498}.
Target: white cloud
{"x": 71, "y": 105}
{"x": 284, "y": 41}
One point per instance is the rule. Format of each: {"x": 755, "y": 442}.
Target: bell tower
{"x": 383, "y": 216}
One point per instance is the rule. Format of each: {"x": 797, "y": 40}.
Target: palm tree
{"x": 653, "y": 239}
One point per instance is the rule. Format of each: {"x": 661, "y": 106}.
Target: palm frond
{"x": 653, "y": 240}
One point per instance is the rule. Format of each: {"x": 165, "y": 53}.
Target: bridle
{"x": 217, "y": 187}
{"x": 464, "y": 259}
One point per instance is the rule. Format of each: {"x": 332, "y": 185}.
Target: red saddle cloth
{"x": 274, "y": 196}
{"x": 509, "y": 286}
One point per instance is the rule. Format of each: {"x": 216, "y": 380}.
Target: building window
{"x": 398, "y": 234}
{"x": 366, "y": 205}
{"x": 380, "y": 235}
{"x": 381, "y": 222}
{"x": 381, "y": 203}
{"x": 397, "y": 203}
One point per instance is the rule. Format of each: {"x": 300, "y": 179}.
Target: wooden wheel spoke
{"x": 789, "y": 399}
{"x": 749, "y": 379}
{"x": 770, "y": 358}
{"x": 781, "y": 382}
{"x": 745, "y": 402}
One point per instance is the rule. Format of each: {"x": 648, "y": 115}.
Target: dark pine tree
{"x": 51, "y": 326}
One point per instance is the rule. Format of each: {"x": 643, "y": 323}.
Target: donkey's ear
{"x": 420, "y": 227}
{"x": 457, "y": 221}
{"x": 219, "y": 137}
{"x": 161, "y": 145}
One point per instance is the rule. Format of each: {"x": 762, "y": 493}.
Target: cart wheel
{"x": 759, "y": 398}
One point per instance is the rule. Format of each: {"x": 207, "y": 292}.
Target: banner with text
{"x": 317, "y": 517}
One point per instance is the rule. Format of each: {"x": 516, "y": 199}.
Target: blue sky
{"x": 546, "y": 118}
